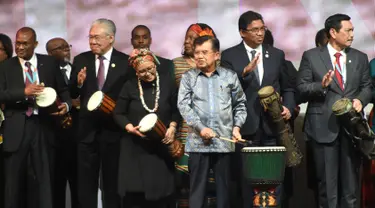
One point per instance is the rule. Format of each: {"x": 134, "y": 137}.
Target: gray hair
{"x": 110, "y": 25}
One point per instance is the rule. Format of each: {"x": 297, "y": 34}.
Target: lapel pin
{"x": 350, "y": 61}
{"x": 267, "y": 55}
{"x": 113, "y": 65}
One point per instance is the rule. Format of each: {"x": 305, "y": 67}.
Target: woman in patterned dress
{"x": 181, "y": 65}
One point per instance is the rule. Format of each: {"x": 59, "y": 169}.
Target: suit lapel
{"x": 267, "y": 63}
{"x": 111, "y": 74}
{"x": 324, "y": 55}
{"x": 18, "y": 73}
{"x": 349, "y": 67}
{"x": 91, "y": 69}
{"x": 41, "y": 70}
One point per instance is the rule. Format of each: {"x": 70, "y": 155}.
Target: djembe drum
{"x": 154, "y": 128}
{"x": 101, "y": 102}
{"x": 49, "y": 101}
{"x": 270, "y": 100}
{"x": 356, "y": 126}
{"x": 264, "y": 169}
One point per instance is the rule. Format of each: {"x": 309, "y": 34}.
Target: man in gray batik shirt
{"x": 212, "y": 102}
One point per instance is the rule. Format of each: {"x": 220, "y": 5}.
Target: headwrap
{"x": 139, "y": 56}
{"x": 198, "y": 30}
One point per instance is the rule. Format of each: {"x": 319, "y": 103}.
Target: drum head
{"x": 95, "y": 100}
{"x": 342, "y": 106}
{"x": 46, "y": 98}
{"x": 264, "y": 149}
{"x": 266, "y": 91}
{"x": 148, "y": 122}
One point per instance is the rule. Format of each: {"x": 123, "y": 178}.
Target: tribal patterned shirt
{"x": 216, "y": 102}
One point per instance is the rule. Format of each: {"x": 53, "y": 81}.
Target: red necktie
{"x": 100, "y": 77}
{"x": 338, "y": 70}
{"x": 29, "y": 111}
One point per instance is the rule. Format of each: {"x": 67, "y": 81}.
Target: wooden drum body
{"x": 101, "y": 102}
{"x": 49, "y": 101}
{"x": 264, "y": 169}
{"x": 270, "y": 100}
{"x": 356, "y": 126}
{"x": 153, "y": 128}
{"x": 264, "y": 165}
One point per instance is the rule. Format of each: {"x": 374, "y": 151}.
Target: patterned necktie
{"x": 63, "y": 71}
{"x": 100, "y": 77}
{"x": 29, "y": 111}
{"x": 338, "y": 71}
{"x": 253, "y": 52}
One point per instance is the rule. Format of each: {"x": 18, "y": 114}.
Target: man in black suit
{"x": 65, "y": 164}
{"x": 103, "y": 68}
{"x": 257, "y": 65}
{"x": 28, "y": 130}
{"x": 337, "y": 162}
{"x": 141, "y": 38}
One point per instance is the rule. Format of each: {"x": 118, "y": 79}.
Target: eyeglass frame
{"x": 63, "y": 48}
{"x": 256, "y": 30}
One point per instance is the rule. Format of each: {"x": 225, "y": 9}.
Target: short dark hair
{"x": 247, "y": 18}
{"x": 141, "y": 26}
{"x": 214, "y": 41}
{"x": 319, "y": 37}
{"x": 7, "y": 44}
{"x": 334, "y": 22}
{"x": 268, "y": 38}
{"x": 203, "y": 26}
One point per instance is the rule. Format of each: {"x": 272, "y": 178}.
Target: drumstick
{"x": 231, "y": 140}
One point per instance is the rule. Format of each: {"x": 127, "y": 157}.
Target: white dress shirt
{"x": 259, "y": 50}
{"x": 332, "y": 53}
{"x": 34, "y": 63}
{"x": 68, "y": 70}
{"x": 106, "y": 62}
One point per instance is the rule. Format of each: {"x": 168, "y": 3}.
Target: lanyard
{"x": 339, "y": 69}
{"x": 34, "y": 79}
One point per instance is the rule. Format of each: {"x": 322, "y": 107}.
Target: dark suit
{"x": 258, "y": 126}
{"x": 332, "y": 147}
{"x": 28, "y": 141}
{"x": 66, "y": 160}
{"x": 275, "y": 75}
{"x": 99, "y": 136}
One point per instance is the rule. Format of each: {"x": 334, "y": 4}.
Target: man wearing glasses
{"x": 65, "y": 161}
{"x": 102, "y": 68}
{"x": 257, "y": 65}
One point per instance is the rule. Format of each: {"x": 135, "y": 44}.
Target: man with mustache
{"x": 65, "y": 171}
{"x": 102, "y": 68}
{"x": 29, "y": 138}
{"x": 141, "y": 38}
{"x": 327, "y": 74}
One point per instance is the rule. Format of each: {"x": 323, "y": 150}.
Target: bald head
{"x": 58, "y": 48}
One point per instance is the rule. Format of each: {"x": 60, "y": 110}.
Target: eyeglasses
{"x": 146, "y": 70}
{"x": 256, "y": 30}
{"x": 63, "y": 48}
{"x": 97, "y": 37}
